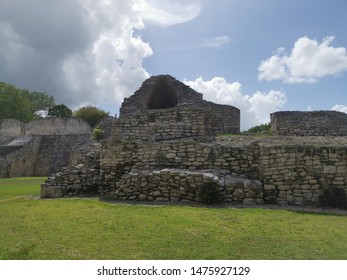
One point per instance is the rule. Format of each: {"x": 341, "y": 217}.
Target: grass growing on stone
{"x": 32, "y": 228}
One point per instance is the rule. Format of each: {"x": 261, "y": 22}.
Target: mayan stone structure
{"x": 164, "y": 108}
{"x": 40, "y": 147}
{"x": 169, "y": 145}
{"x": 313, "y": 123}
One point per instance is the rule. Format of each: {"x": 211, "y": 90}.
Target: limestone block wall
{"x": 163, "y": 84}
{"x": 297, "y": 174}
{"x": 81, "y": 179}
{"x": 18, "y": 161}
{"x": 119, "y": 158}
{"x": 177, "y": 185}
{"x": 315, "y": 123}
{"x": 290, "y": 171}
{"x": 46, "y": 126}
{"x": 221, "y": 119}
{"x": 57, "y": 126}
{"x": 40, "y": 155}
{"x": 11, "y": 127}
{"x": 183, "y": 121}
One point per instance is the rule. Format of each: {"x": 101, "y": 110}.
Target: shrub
{"x": 98, "y": 133}
{"x": 209, "y": 194}
{"x": 334, "y": 198}
{"x": 259, "y": 129}
{"x": 91, "y": 115}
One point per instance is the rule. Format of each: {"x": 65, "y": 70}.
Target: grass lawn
{"x": 31, "y": 228}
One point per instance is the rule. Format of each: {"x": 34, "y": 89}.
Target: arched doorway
{"x": 163, "y": 96}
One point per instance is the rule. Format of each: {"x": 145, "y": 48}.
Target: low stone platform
{"x": 182, "y": 185}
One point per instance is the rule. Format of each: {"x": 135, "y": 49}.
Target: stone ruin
{"x": 312, "y": 123}
{"x": 165, "y": 147}
{"x": 40, "y": 147}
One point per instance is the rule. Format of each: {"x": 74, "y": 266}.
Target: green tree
{"x": 40, "y": 101}
{"x": 60, "y": 111}
{"x": 22, "y": 104}
{"x": 90, "y": 114}
{"x": 15, "y": 104}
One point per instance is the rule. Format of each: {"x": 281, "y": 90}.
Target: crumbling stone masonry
{"x": 40, "y": 147}
{"x": 314, "y": 123}
{"x": 165, "y": 147}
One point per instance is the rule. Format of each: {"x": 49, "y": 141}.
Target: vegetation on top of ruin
{"x": 259, "y": 129}
{"x": 80, "y": 228}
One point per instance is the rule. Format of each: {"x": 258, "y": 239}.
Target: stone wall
{"x": 176, "y": 185}
{"x": 315, "y": 123}
{"x": 183, "y": 121}
{"x": 39, "y": 147}
{"x": 39, "y": 155}
{"x": 81, "y": 179}
{"x": 46, "y": 126}
{"x": 119, "y": 158}
{"x": 151, "y": 90}
{"x": 296, "y": 173}
{"x": 11, "y": 127}
{"x": 57, "y": 126}
{"x": 288, "y": 171}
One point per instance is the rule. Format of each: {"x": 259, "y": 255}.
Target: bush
{"x": 334, "y": 198}
{"x": 98, "y": 133}
{"x": 263, "y": 128}
{"x": 209, "y": 194}
{"x": 91, "y": 115}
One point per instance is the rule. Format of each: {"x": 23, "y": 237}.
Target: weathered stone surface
{"x": 162, "y": 150}
{"x": 314, "y": 123}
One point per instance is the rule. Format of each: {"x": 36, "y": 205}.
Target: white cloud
{"x": 340, "y": 108}
{"x": 165, "y": 12}
{"x": 255, "y": 108}
{"x": 308, "y": 61}
{"x": 82, "y": 51}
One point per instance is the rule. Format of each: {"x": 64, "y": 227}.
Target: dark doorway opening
{"x": 163, "y": 96}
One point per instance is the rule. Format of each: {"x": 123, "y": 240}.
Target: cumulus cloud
{"x": 255, "y": 108}
{"x": 308, "y": 61}
{"x": 81, "y": 51}
{"x": 340, "y": 108}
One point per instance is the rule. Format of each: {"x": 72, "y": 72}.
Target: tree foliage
{"x": 90, "y": 114}
{"x": 60, "y": 111}
{"x": 40, "y": 100}
{"x": 22, "y": 104}
{"x": 14, "y": 104}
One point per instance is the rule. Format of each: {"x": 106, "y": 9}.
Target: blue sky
{"x": 261, "y": 56}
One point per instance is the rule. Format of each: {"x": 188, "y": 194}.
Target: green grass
{"x": 32, "y": 228}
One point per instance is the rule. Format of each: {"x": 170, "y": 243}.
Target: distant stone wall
{"x": 46, "y": 126}
{"x": 11, "y": 127}
{"x": 315, "y": 123}
{"x": 39, "y": 155}
{"x": 57, "y": 126}
{"x": 40, "y": 147}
